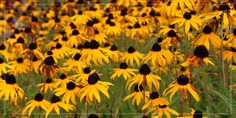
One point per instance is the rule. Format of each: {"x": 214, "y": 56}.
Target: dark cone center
{"x": 154, "y": 95}
{"x": 183, "y": 80}
{"x": 77, "y": 56}
{"x": 49, "y": 61}
{"x": 207, "y": 30}
{"x": 93, "y": 78}
{"x": 171, "y": 33}
{"x": 144, "y": 69}
{"x": 197, "y": 114}
{"x": 38, "y": 97}
{"x": 70, "y": 86}
{"x": 87, "y": 70}
{"x": 201, "y": 51}
{"x": 63, "y": 76}
{"x": 113, "y": 48}
{"x": 131, "y": 50}
{"x": 187, "y": 16}
{"x": 32, "y": 46}
{"x": 75, "y": 32}
{"x": 156, "y": 47}
{"x": 55, "y": 99}
{"x": 19, "y": 60}
{"x": 10, "y": 79}
{"x": 123, "y": 65}
{"x": 94, "y": 44}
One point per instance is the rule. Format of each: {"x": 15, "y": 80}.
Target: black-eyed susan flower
{"x": 10, "y": 90}
{"x": 60, "y": 51}
{"x": 76, "y": 37}
{"x": 182, "y": 4}
{"x": 123, "y": 71}
{"x": 95, "y": 54}
{"x": 230, "y": 54}
{"x": 154, "y": 100}
{"x": 56, "y": 104}
{"x": 48, "y": 85}
{"x": 20, "y": 65}
{"x": 145, "y": 77}
{"x": 188, "y": 20}
{"x": 201, "y": 54}
{"x": 91, "y": 89}
{"x": 82, "y": 77}
{"x": 35, "y": 64}
{"x": 194, "y": 114}
{"x": 33, "y": 49}
{"x": 183, "y": 84}
{"x": 37, "y": 102}
{"x": 231, "y": 39}
{"x": 49, "y": 67}
{"x": 76, "y": 64}
{"x": 62, "y": 80}
{"x": 4, "y": 66}
{"x": 158, "y": 56}
{"x": 137, "y": 95}
{"x": 208, "y": 36}
{"x": 80, "y": 18}
{"x": 163, "y": 109}
{"x": 113, "y": 53}
{"x": 4, "y": 51}
{"x": 69, "y": 92}
{"x": 131, "y": 56}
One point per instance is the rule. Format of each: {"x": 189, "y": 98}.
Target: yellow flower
{"x": 130, "y": 56}
{"x": 38, "y": 102}
{"x": 82, "y": 77}
{"x": 92, "y": 88}
{"x": 62, "y": 80}
{"x": 124, "y": 71}
{"x": 158, "y": 56}
{"x": 154, "y": 100}
{"x": 56, "y": 105}
{"x": 194, "y": 114}
{"x": 187, "y": 20}
{"x": 144, "y": 77}
{"x": 60, "y": 51}
{"x": 161, "y": 109}
{"x": 208, "y": 36}
{"x": 137, "y": 95}
{"x": 75, "y": 64}
{"x": 20, "y": 66}
{"x": 47, "y": 85}
{"x": 230, "y": 55}
{"x": 182, "y": 84}
{"x": 9, "y": 89}
{"x": 4, "y": 66}
{"x": 69, "y": 92}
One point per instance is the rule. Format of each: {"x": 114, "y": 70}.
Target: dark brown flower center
{"x": 123, "y": 65}
{"x": 131, "y": 50}
{"x": 197, "y": 114}
{"x": 38, "y": 97}
{"x": 183, "y": 80}
{"x": 154, "y": 95}
{"x": 162, "y": 106}
{"x": 187, "y": 16}
{"x": 70, "y": 85}
{"x": 49, "y": 61}
{"x": 55, "y": 99}
{"x": 207, "y": 30}
{"x": 63, "y": 76}
{"x": 32, "y": 46}
{"x": 94, "y": 44}
{"x": 93, "y": 78}
{"x": 10, "y": 79}
{"x": 87, "y": 70}
{"x": 156, "y": 47}
{"x": 171, "y": 33}
{"x": 19, "y": 60}
{"x": 201, "y": 51}
{"x": 77, "y": 56}
{"x": 144, "y": 69}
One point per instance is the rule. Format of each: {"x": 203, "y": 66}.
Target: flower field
{"x": 118, "y": 58}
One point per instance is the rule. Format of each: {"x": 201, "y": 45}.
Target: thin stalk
{"x": 97, "y": 107}
{"x": 144, "y": 88}
{"x": 181, "y": 104}
{"x": 86, "y": 110}
{"x": 121, "y": 96}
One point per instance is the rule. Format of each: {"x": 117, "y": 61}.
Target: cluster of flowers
{"x": 69, "y": 41}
